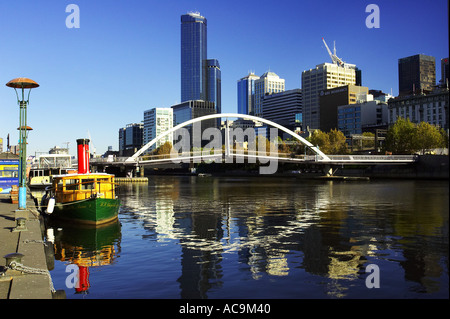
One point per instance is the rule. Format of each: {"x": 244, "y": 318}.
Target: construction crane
{"x": 333, "y": 56}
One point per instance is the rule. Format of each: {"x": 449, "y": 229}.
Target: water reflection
{"x": 265, "y": 230}
{"x": 86, "y": 246}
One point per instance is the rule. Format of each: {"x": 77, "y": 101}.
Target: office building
{"x": 324, "y": 76}
{"x": 268, "y": 83}
{"x": 130, "y": 139}
{"x": 416, "y": 74}
{"x": 331, "y": 99}
{"x": 246, "y": 94}
{"x": 200, "y": 76}
{"x": 214, "y": 85}
{"x": 283, "y": 108}
{"x": 431, "y": 108}
{"x": 444, "y": 73}
{"x": 156, "y": 122}
{"x": 189, "y": 110}
{"x": 193, "y": 57}
{"x": 364, "y": 116}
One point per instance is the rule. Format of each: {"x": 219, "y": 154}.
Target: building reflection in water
{"x": 329, "y": 230}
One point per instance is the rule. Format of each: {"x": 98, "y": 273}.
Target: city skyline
{"x": 124, "y": 58}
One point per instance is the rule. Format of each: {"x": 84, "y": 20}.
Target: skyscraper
{"x": 324, "y": 76}
{"x": 214, "y": 83}
{"x": 246, "y": 94}
{"x": 200, "y": 76}
{"x": 268, "y": 83}
{"x": 193, "y": 57}
{"x": 416, "y": 73}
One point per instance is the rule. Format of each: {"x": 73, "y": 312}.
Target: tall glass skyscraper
{"x": 200, "y": 76}
{"x": 193, "y": 57}
{"x": 214, "y": 83}
{"x": 246, "y": 94}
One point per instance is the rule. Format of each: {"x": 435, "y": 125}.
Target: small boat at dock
{"x": 83, "y": 197}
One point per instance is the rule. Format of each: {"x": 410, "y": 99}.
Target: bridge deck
{"x": 197, "y": 157}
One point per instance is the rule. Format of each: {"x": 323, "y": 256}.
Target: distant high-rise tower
{"x": 193, "y": 57}
{"x": 416, "y": 73}
{"x": 246, "y": 94}
{"x": 200, "y": 76}
{"x": 268, "y": 83}
{"x": 214, "y": 83}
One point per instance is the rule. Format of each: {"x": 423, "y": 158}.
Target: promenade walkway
{"x": 34, "y": 282}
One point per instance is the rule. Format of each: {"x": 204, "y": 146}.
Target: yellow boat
{"x": 85, "y": 197}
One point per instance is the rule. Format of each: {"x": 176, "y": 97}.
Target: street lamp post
{"x": 22, "y": 84}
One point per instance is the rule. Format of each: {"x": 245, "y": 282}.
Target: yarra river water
{"x": 263, "y": 237}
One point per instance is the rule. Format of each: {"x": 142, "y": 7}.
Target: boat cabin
{"x": 74, "y": 187}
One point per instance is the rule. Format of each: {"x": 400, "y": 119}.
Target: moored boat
{"x": 84, "y": 197}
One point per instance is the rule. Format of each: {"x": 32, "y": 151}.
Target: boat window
{"x": 72, "y": 184}
{"x": 87, "y": 184}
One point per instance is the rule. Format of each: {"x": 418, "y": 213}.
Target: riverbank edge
{"x": 428, "y": 167}
{"x": 35, "y": 282}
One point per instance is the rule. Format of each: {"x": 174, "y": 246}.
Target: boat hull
{"x": 92, "y": 211}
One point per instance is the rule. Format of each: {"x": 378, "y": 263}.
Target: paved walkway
{"x": 30, "y": 284}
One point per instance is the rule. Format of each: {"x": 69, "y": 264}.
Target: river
{"x": 263, "y": 237}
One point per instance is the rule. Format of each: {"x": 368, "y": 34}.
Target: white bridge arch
{"x": 228, "y": 115}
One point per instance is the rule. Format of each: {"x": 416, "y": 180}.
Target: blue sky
{"x": 125, "y": 57}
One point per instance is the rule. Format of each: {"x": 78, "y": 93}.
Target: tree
{"x": 322, "y": 140}
{"x": 428, "y": 137}
{"x": 405, "y": 137}
{"x": 400, "y": 137}
{"x": 332, "y": 142}
{"x": 338, "y": 143}
{"x": 164, "y": 149}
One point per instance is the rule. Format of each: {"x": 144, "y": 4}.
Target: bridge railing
{"x": 209, "y": 156}
{"x": 374, "y": 158}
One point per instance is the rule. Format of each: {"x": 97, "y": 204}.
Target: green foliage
{"x": 405, "y": 137}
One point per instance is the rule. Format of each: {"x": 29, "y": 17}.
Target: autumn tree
{"x": 333, "y": 142}
{"x": 164, "y": 149}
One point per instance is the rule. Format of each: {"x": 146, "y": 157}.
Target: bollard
{"x": 20, "y": 225}
{"x": 13, "y": 257}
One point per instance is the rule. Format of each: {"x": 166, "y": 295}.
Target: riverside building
{"x": 246, "y": 94}
{"x": 324, "y": 76}
{"x": 431, "y": 108}
{"x": 268, "y": 83}
{"x": 130, "y": 139}
{"x": 416, "y": 74}
{"x": 156, "y": 122}
{"x": 283, "y": 108}
{"x": 331, "y": 99}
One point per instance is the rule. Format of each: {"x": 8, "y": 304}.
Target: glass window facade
{"x": 193, "y": 57}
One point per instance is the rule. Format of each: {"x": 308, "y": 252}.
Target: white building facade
{"x": 431, "y": 108}
{"x": 268, "y": 83}
{"x": 156, "y": 122}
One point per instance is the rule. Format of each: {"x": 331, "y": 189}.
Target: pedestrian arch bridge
{"x": 229, "y": 153}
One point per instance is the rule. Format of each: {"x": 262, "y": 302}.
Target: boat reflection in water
{"x": 86, "y": 246}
